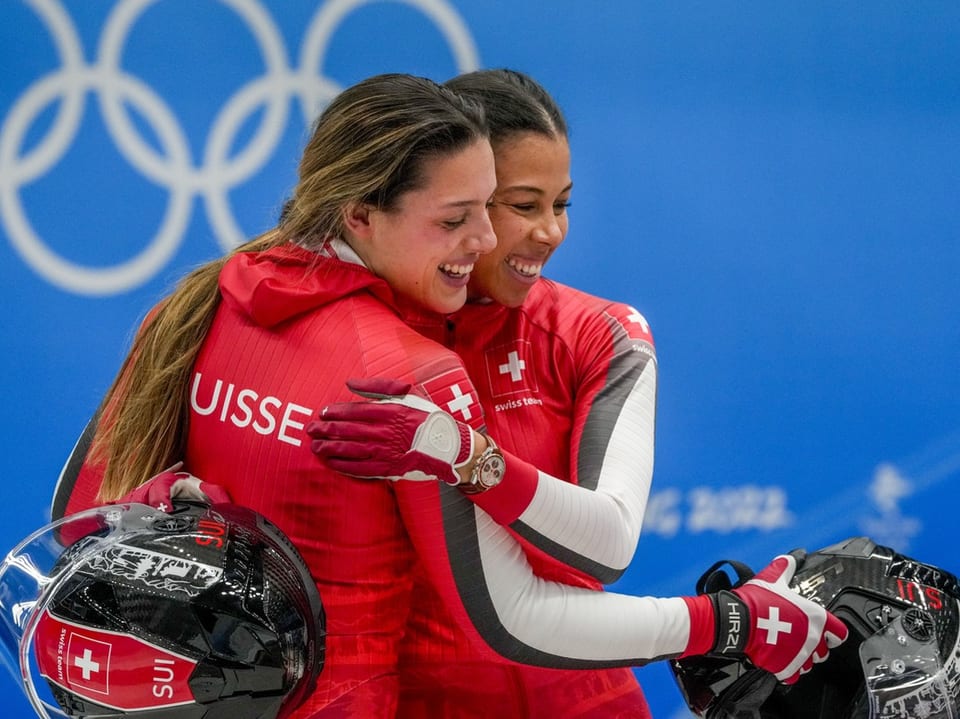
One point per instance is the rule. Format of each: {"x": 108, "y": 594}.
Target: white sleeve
{"x": 481, "y": 573}
{"x": 551, "y": 624}
{"x": 595, "y": 525}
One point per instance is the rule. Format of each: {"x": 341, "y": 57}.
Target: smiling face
{"x": 529, "y": 216}
{"x": 426, "y": 246}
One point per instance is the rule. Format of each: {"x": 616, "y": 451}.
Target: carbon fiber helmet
{"x": 901, "y": 660}
{"x": 207, "y": 612}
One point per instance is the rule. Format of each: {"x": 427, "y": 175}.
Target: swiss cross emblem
{"x": 88, "y": 663}
{"x": 773, "y": 626}
{"x": 634, "y": 323}
{"x": 453, "y": 392}
{"x": 115, "y": 669}
{"x": 510, "y": 368}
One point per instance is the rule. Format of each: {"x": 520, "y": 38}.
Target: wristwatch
{"x": 487, "y": 470}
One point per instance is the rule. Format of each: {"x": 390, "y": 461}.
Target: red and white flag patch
{"x": 453, "y": 392}
{"x": 633, "y": 322}
{"x": 111, "y": 668}
{"x": 510, "y": 369}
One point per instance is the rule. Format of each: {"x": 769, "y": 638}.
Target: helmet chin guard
{"x": 207, "y": 612}
{"x": 901, "y": 660}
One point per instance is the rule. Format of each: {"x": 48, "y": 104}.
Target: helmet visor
{"x": 903, "y": 672}
{"x": 32, "y": 571}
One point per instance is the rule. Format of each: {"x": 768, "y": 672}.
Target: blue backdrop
{"x": 775, "y": 185}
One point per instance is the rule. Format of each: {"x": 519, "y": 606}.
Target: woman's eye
{"x": 524, "y": 206}
{"x": 454, "y": 224}
{"x": 560, "y": 207}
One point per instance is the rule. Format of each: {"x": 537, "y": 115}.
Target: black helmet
{"x": 207, "y": 612}
{"x": 901, "y": 660}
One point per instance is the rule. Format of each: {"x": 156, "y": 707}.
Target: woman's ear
{"x": 356, "y": 218}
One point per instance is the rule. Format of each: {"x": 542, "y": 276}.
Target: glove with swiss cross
{"x": 774, "y": 626}
{"x": 399, "y": 435}
{"x": 162, "y": 489}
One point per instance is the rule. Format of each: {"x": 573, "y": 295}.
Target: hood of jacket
{"x": 274, "y": 286}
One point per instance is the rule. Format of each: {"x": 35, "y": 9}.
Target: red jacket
{"x": 282, "y": 345}
{"x": 567, "y": 381}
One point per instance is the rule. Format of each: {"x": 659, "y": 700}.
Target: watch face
{"x": 491, "y": 471}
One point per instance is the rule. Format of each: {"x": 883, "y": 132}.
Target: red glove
{"x": 400, "y": 435}
{"x": 775, "y": 627}
{"x": 160, "y": 490}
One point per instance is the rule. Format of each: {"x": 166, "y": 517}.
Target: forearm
{"x": 563, "y": 626}
{"x": 492, "y": 592}
{"x": 593, "y": 524}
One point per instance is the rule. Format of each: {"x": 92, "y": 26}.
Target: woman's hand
{"x": 397, "y": 435}
{"x": 162, "y": 489}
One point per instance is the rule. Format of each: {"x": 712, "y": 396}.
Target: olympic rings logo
{"x": 173, "y": 168}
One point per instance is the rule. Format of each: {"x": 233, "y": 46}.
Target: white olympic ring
{"x": 172, "y": 167}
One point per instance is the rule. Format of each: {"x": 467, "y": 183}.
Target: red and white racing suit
{"x": 292, "y": 328}
{"x": 567, "y": 381}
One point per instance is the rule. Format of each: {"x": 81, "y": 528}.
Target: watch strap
{"x": 474, "y": 485}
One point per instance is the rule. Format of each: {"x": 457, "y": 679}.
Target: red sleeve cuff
{"x": 508, "y": 500}
{"x": 703, "y": 625}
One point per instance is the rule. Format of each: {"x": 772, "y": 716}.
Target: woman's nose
{"x": 549, "y": 231}
{"x": 485, "y": 240}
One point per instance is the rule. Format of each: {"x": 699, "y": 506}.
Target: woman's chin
{"x": 513, "y": 288}
{"x": 450, "y": 300}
